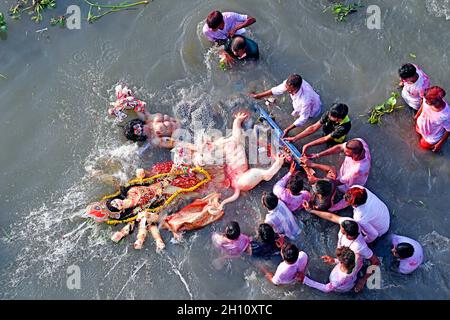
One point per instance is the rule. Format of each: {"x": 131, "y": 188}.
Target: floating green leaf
{"x": 380, "y": 110}
{"x": 341, "y": 11}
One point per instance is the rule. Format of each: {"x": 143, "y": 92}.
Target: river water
{"x": 55, "y": 134}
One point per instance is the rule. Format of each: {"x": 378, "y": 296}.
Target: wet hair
{"x": 323, "y": 187}
{"x": 355, "y": 146}
{"x": 339, "y": 110}
{"x": 434, "y": 94}
{"x": 290, "y": 253}
{"x": 351, "y": 228}
{"x": 407, "y": 71}
{"x": 232, "y": 230}
{"x": 295, "y": 184}
{"x": 404, "y": 250}
{"x": 295, "y": 81}
{"x": 346, "y": 256}
{"x": 270, "y": 201}
{"x": 238, "y": 44}
{"x": 266, "y": 233}
{"x": 356, "y": 196}
{"x": 214, "y": 19}
{"x": 128, "y": 130}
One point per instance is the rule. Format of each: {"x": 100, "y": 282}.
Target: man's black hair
{"x": 339, "y": 110}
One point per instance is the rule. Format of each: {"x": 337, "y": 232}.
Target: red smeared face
{"x": 98, "y": 211}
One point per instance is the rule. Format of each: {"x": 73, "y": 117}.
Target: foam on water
{"x": 439, "y": 8}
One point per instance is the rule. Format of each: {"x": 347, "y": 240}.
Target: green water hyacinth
{"x": 3, "y": 25}
{"x": 31, "y": 7}
{"x": 112, "y": 8}
{"x": 389, "y": 106}
{"x": 341, "y": 11}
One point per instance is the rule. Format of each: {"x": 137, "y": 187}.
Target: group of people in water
{"x": 318, "y": 189}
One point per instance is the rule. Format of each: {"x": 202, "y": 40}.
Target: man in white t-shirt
{"x": 369, "y": 211}
{"x": 408, "y": 251}
{"x": 414, "y": 82}
{"x": 433, "y": 120}
{"x": 294, "y": 263}
{"x": 305, "y": 101}
{"x": 222, "y": 26}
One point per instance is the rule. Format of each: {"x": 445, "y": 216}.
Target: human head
{"x": 403, "y": 250}
{"x": 323, "y": 188}
{"x": 294, "y": 83}
{"x": 270, "y": 200}
{"x": 434, "y": 96}
{"x": 354, "y": 148}
{"x": 350, "y": 228}
{"x": 290, "y": 253}
{"x": 134, "y": 130}
{"x": 238, "y": 46}
{"x": 266, "y": 233}
{"x": 338, "y": 112}
{"x": 408, "y": 73}
{"x": 215, "y": 20}
{"x": 295, "y": 184}
{"x": 356, "y": 196}
{"x": 346, "y": 256}
{"x": 232, "y": 230}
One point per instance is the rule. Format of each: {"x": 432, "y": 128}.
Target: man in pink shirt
{"x": 433, "y": 120}
{"x": 292, "y": 195}
{"x": 356, "y": 166}
{"x": 221, "y": 26}
{"x": 294, "y": 263}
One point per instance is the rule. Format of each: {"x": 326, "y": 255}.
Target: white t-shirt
{"x": 355, "y": 172}
{"x": 412, "y": 93}
{"x": 283, "y": 221}
{"x": 358, "y": 246}
{"x": 410, "y": 264}
{"x": 286, "y": 273}
{"x": 432, "y": 125}
{"x": 306, "y": 102}
{"x": 339, "y": 281}
{"x": 373, "y": 216}
{"x": 231, "y": 19}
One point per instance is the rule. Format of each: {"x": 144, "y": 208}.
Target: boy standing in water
{"x": 294, "y": 263}
{"x": 305, "y": 100}
{"x": 221, "y": 26}
{"x": 408, "y": 252}
{"x": 414, "y": 82}
{"x": 335, "y": 124}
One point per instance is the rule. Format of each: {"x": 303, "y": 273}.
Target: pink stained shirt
{"x": 306, "y": 102}
{"x": 355, "y": 172}
{"x": 410, "y": 264}
{"x": 286, "y": 273}
{"x": 358, "y": 245}
{"x": 413, "y": 93}
{"x": 339, "y": 281}
{"x": 432, "y": 125}
{"x": 231, "y": 19}
{"x": 230, "y": 248}
{"x": 292, "y": 202}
